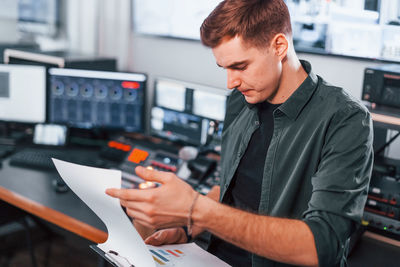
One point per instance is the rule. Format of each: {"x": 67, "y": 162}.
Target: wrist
{"x": 202, "y": 211}
{"x": 190, "y": 219}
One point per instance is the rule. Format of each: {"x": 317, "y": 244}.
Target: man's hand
{"x": 143, "y": 231}
{"x": 167, "y": 236}
{"x": 171, "y": 236}
{"x": 163, "y": 207}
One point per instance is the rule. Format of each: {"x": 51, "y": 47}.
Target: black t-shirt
{"x": 245, "y": 189}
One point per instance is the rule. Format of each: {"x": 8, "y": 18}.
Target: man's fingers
{"x": 151, "y": 175}
{"x": 137, "y": 215}
{"x": 156, "y": 239}
{"x": 128, "y": 194}
{"x": 167, "y": 236}
{"x": 118, "y": 193}
{"x": 141, "y": 207}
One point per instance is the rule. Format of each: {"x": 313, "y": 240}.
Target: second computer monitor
{"x": 22, "y": 93}
{"x": 187, "y": 112}
{"x": 97, "y": 99}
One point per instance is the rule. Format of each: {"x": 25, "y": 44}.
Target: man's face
{"x": 254, "y": 72}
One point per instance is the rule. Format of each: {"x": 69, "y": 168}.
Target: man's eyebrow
{"x": 235, "y": 64}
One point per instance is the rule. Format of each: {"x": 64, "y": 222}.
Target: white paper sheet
{"x": 90, "y": 184}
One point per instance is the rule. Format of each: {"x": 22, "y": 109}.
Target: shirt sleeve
{"x": 330, "y": 236}
{"x": 340, "y": 185}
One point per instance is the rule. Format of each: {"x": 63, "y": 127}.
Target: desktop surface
{"x": 32, "y": 190}
{"x": 372, "y": 250}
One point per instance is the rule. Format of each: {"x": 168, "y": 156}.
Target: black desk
{"x": 375, "y": 250}
{"x": 32, "y": 191}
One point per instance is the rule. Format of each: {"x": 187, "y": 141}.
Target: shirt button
{"x": 226, "y": 186}
{"x": 257, "y": 123}
{"x": 239, "y": 154}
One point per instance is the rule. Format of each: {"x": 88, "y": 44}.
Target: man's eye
{"x": 241, "y": 68}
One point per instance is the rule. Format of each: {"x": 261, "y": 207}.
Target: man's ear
{"x": 280, "y": 45}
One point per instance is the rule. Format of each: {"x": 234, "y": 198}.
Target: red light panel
{"x": 138, "y": 155}
{"x": 130, "y": 85}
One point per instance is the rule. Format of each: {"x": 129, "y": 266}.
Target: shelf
{"x": 385, "y": 117}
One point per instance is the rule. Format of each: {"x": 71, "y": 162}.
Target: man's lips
{"x": 245, "y": 92}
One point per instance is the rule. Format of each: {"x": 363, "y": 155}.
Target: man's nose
{"x": 232, "y": 79}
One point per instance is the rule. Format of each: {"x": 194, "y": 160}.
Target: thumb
{"x": 155, "y": 239}
{"x": 150, "y": 175}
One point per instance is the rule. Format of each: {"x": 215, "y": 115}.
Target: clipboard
{"x": 114, "y": 259}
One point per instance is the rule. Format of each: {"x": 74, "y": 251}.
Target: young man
{"x": 296, "y": 154}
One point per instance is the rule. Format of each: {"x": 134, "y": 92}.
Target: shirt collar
{"x": 295, "y": 103}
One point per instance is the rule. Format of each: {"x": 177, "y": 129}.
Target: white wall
{"x": 180, "y": 59}
{"x": 8, "y": 21}
{"x": 82, "y": 25}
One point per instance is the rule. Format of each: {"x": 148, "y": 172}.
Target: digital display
{"x": 209, "y": 105}
{"x": 170, "y": 95}
{"x": 391, "y": 90}
{"x": 4, "y": 84}
{"x": 22, "y": 93}
{"x": 178, "y": 18}
{"x": 50, "y": 134}
{"x": 186, "y": 112}
{"x": 362, "y": 28}
{"x": 178, "y": 126}
{"x": 97, "y": 99}
{"x": 38, "y": 16}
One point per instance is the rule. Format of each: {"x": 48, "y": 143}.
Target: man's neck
{"x": 293, "y": 75}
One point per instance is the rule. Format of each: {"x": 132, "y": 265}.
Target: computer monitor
{"x": 22, "y": 93}
{"x": 187, "y": 112}
{"x": 97, "y": 99}
{"x": 38, "y": 16}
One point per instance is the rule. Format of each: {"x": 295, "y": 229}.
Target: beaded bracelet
{"x": 190, "y": 221}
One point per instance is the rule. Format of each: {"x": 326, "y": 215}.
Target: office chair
{"x": 21, "y": 218}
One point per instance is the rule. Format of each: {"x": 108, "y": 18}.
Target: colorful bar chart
{"x": 158, "y": 261}
{"x": 159, "y": 256}
{"x": 166, "y": 257}
{"x": 173, "y": 253}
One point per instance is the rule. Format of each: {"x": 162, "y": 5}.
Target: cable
{"x": 387, "y": 144}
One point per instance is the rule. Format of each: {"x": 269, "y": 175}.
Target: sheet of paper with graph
{"x": 89, "y": 184}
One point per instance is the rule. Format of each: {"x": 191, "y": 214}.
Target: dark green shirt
{"x": 318, "y": 165}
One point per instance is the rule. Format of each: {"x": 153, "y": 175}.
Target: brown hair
{"x": 256, "y": 21}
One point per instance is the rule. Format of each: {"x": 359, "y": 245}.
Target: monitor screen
{"x": 38, "y": 16}
{"x": 97, "y": 99}
{"x": 177, "y": 18}
{"x": 186, "y": 112}
{"x": 22, "y": 93}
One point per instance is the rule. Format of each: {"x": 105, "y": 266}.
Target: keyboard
{"x": 41, "y": 158}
